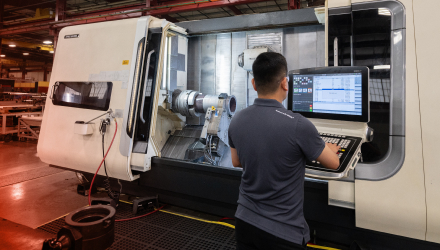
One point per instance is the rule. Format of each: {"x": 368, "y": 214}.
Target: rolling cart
{"x": 21, "y": 111}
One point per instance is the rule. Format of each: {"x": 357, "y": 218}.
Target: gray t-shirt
{"x": 272, "y": 144}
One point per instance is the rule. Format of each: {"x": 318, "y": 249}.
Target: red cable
{"x": 93, "y": 180}
{"x": 140, "y": 216}
{"x": 226, "y": 218}
{"x": 91, "y": 184}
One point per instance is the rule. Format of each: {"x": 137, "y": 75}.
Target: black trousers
{"x": 250, "y": 237}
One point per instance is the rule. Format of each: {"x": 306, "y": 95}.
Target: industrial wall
{"x": 213, "y": 59}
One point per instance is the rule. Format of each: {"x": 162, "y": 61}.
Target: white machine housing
{"x": 106, "y": 51}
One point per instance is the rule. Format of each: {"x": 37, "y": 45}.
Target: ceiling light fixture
{"x": 47, "y": 42}
{"x": 2, "y": 55}
{"x": 12, "y": 45}
{"x": 25, "y": 54}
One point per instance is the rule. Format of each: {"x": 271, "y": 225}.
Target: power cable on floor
{"x": 96, "y": 173}
{"x": 107, "y": 186}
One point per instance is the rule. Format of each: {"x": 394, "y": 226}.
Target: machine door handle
{"x": 135, "y": 88}
{"x": 141, "y": 116}
{"x": 52, "y": 90}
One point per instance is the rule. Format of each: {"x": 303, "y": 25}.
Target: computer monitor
{"x": 335, "y": 93}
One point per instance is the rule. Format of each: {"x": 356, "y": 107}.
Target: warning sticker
{"x": 125, "y": 62}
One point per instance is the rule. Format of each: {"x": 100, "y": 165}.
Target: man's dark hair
{"x": 269, "y": 68}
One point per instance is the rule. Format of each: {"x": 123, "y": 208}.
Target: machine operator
{"x": 272, "y": 144}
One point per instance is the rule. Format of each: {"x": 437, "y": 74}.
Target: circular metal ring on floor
{"x": 96, "y": 224}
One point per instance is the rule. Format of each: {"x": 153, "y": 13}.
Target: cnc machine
{"x": 170, "y": 91}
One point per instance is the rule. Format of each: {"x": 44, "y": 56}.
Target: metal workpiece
{"x": 212, "y": 141}
{"x": 191, "y": 103}
{"x": 209, "y": 101}
{"x": 183, "y": 102}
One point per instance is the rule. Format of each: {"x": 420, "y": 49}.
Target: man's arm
{"x": 328, "y": 157}
{"x": 235, "y": 161}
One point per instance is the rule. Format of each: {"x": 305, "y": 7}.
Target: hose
{"x": 93, "y": 180}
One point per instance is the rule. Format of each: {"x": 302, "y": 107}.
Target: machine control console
{"x": 348, "y": 154}
{"x": 339, "y": 98}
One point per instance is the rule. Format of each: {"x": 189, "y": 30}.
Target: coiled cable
{"x": 113, "y": 195}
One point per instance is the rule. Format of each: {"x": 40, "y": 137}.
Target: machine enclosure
{"x": 398, "y": 196}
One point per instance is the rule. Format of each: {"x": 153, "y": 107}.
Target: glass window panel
{"x": 372, "y": 47}
{"x": 87, "y": 95}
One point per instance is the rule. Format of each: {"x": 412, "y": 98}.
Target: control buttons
{"x": 344, "y": 143}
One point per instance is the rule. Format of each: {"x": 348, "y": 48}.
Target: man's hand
{"x": 333, "y": 147}
{"x": 328, "y": 157}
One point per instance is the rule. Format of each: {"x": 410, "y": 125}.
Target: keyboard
{"x": 348, "y": 154}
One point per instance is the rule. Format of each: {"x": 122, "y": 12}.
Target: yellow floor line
{"x": 321, "y": 247}
{"x": 126, "y": 202}
{"x": 226, "y": 224}
{"x": 50, "y": 221}
{"x": 207, "y": 221}
{"x": 189, "y": 217}
{"x": 55, "y": 219}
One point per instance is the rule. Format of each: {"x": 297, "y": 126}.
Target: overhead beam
{"x": 235, "y": 10}
{"x": 124, "y": 13}
{"x": 31, "y": 70}
{"x": 29, "y": 5}
{"x": 13, "y": 25}
{"x": 170, "y": 18}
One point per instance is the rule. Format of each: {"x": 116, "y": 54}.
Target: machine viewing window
{"x": 87, "y": 95}
{"x": 364, "y": 39}
{"x": 372, "y": 48}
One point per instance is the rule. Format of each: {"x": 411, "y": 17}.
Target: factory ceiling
{"x": 27, "y": 24}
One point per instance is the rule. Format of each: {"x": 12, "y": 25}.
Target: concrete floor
{"x": 32, "y": 194}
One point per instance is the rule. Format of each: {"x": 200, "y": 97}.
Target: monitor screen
{"x": 338, "y": 93}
